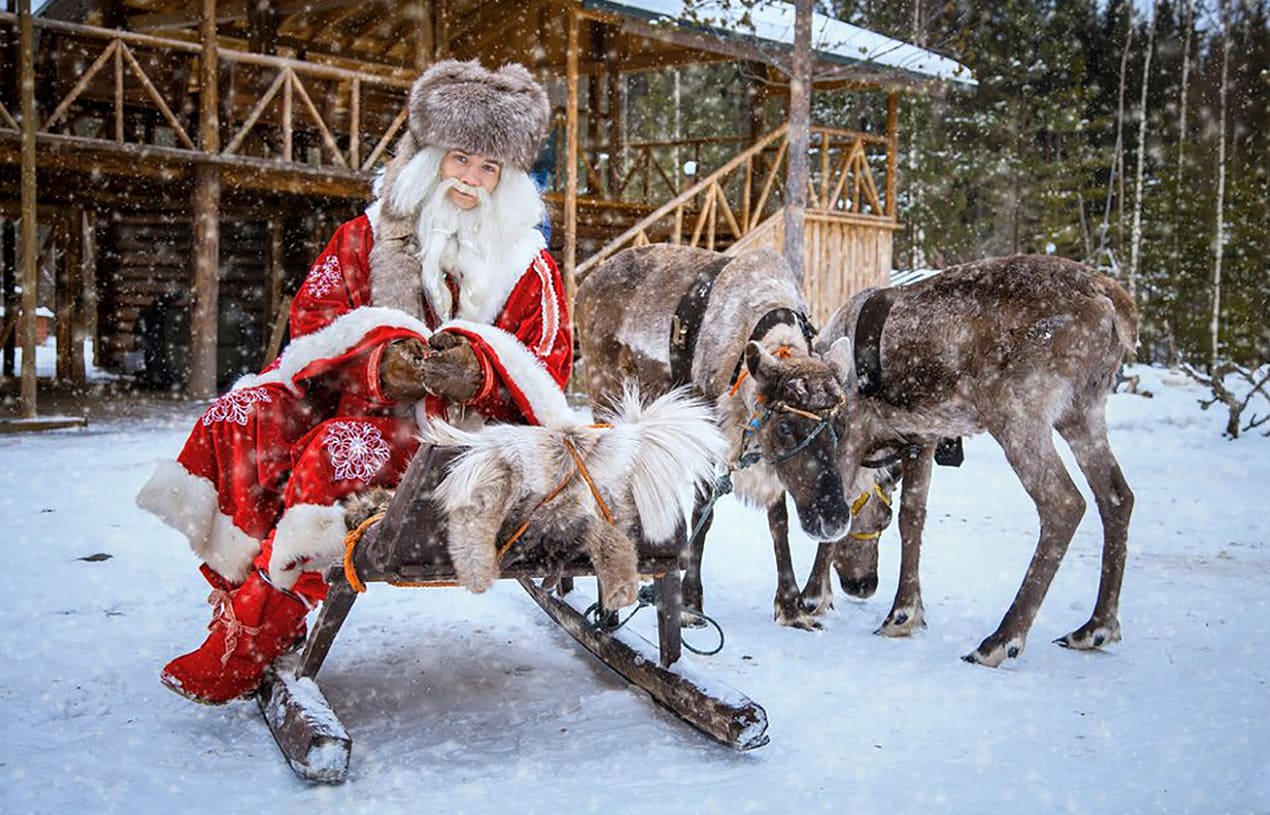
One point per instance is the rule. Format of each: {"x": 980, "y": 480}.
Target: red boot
{"x": 251, "y": 626}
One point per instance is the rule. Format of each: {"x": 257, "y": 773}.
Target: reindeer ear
{"x": 761, "y": 364}
{"x": 842, "y": 361}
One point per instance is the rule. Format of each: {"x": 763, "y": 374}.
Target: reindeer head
{"x": 796, "y": 430}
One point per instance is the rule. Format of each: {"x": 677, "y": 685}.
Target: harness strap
{"x": 868, "y": 341}
{"x": 767, "y": 322}
{"x": 685, "y": 324}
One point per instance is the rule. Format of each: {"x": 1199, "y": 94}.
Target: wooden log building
{"x": 168, "y": 169}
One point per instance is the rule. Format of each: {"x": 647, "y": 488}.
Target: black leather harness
{"x": 685, "y": 324}
{"x": 868, "y": 370}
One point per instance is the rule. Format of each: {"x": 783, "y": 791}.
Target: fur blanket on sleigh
{"x": 644, "y": 461}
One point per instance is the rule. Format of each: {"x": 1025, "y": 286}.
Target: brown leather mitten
{"x": 401, "y": 370}
{"x": 452, "y": 371}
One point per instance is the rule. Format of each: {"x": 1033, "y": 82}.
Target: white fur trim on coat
{"x": 308, "y": 537}
{"x": 338, "y": 338}
{"x": 187, "y": 503}
{"x": 530, "y": 374}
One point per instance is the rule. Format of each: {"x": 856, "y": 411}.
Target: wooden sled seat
{"x": 408, "y": 547}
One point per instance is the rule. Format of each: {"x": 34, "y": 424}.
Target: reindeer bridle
{"x": 763, "y": 412}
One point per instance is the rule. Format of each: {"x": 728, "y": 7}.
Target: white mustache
{"x": 479, "y": 193}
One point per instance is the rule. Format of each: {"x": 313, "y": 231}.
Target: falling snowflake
{"x": 233, "y": 406}
{"x": 357, "y": 449}
{"x": 324, "y": 278}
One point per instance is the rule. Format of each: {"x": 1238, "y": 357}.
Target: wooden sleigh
{"x": 407, "y": 547}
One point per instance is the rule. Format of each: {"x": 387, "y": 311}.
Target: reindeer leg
{"x": 789, "y": 610}
{"x": 692, "y": 596}
{"x": 1087, "y": 437}
{"x": 615, "y": 560}
{"x": 907, "y": 614}
{"x": 1030, "y": 451}
{"x": 817, "y": 596}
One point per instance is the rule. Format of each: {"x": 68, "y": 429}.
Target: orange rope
{"x": 350, "y": 543}
{"x": 782, "y": 352}
{"x": 355, "y": 536}
{"x": 595, "y": 493}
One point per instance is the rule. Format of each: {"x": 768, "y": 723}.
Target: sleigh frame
{"x": 408, "y": 548}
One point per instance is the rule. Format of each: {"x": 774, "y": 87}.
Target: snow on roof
{"x": 773, "y": 22}
{"x": 902, "y": 277}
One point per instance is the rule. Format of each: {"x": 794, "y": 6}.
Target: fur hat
{"x": 502, "y": 113}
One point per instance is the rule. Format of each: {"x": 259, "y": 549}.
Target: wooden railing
{"x": 740, "y": 197}
{"x": 135, "y": 88}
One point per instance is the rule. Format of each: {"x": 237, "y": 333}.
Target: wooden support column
{"x": 425, "y": 36}
{"x": 617, "y": 146}
{"x": 892, "y": 151}
{"x": 70, "y": 300}
{"x": 440, "y": 38}
{"x": 29, "y": 235}
{"x": 89, "y": 243}
{"x": 9, "y": 247}
{"x": 206, "y": 244}
{"x": 798, "y": 171}
{"x": 571, "y": 162}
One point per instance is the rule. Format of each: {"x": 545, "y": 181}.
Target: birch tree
{"x": 1219, "y": 232}
{"x": 1136, "y": 235}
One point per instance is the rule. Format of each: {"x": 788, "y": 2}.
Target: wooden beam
{"x": 571, "y": 162}
{"x": 892, "y": 151}
{"x": 29, "y": 236}
{"x": 70, "y": 300}
{"x": 206, "y": 244}
{"x": 9, "y": 258}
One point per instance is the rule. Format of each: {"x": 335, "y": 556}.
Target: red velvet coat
{"x": 259, "y": 478}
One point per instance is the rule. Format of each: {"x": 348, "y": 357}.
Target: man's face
{"x": 475, "y": 170}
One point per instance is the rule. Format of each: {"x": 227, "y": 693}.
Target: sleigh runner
{"x": 408, "y": 546}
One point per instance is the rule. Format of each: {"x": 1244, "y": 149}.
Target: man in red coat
{"x": 440, "y": 300}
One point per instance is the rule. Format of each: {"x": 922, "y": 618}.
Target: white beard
{"x": 485, "y": 249}
{"x": 457, "y": 242}
{"x": 482, "y": 248}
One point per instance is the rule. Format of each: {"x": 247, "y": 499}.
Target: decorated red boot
{"x": 251, "y": 626}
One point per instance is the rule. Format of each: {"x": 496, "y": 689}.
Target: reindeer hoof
{"x": 902, "y": 622}
{"x": 621, "y": 596}
{"x": 691, "y": 618}
{"x": 1091, "y": 636}
{"x": 990, "y": 655}
{"x": 796, "y": 618}
{"x": 815, "y": 605}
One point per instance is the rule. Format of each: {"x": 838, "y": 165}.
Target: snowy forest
{"x": 1122, "y": 135}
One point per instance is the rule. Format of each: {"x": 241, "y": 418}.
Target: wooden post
{"x": 617, "y": 146}
{"x": 206, "y": 245}
{"x": 30, "y": 235}
{"x": 798, "y": 171}
{"x": 10, "y": 259}
{"x": 892, "y": 151}
{"x": 69, "y": 326}
{"x": 440, "y": 40}
{"x": 425, "y": 37}
{"x": 75, "y": 371}
{"x": 571, "y": 162}
{"x": 89, "y": 233}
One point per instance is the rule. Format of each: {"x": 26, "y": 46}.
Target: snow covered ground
{"x": 479, "y": 704}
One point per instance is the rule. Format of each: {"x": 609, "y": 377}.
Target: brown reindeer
{"x": 1018, "y": 347}
{"x": 733, "y": 328}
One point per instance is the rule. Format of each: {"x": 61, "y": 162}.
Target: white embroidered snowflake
{"x": 324, "y": 278}
{"x": 357, "y": 449}
{"x": 233, "y": 406}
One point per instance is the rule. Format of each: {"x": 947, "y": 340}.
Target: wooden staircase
{"x": 740, "y": 206}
